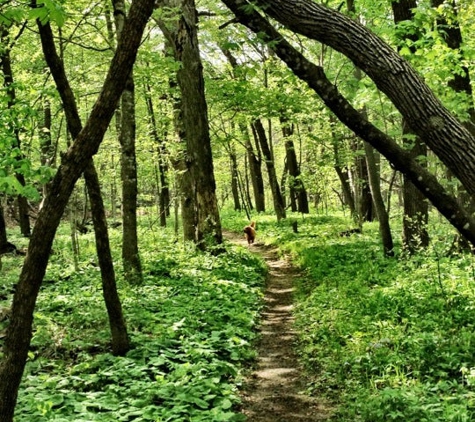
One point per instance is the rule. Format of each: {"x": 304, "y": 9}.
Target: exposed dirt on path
{"x": 273, "y": 392}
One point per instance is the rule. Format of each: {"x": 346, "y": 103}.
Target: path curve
{"x": 273, "y": 392}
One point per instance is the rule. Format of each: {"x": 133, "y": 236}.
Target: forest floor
{"x": 273, "y": 391}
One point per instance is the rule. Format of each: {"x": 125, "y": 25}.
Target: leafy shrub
{"x": 192, "y": 324}
{"x": 386, "y": 339}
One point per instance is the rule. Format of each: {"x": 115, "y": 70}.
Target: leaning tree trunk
{"x": 128, "y": 167}
{"x": 315, "y": 77}
{"x": 451, "y": 33}
{"x": 260, "y": 136}
{"x": 183, "y": 36}
{"x": 19, "y": 331}
{"x": 120, "y": 342}
{"x": 393, "y": 75}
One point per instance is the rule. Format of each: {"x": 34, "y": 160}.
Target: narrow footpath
{"x": 274, "y": 390}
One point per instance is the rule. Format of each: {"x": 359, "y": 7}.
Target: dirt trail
{"x": 273, "y": 392}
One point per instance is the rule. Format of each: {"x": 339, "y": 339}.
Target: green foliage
{"x": 192, "y": 324}
{"x": 386, "y": 339}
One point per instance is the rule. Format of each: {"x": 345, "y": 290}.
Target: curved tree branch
{"x": 393, "y": 75}
{"x": 315, "y": 77}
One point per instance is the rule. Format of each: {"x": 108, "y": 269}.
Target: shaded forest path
{"x": 272, "y": 392}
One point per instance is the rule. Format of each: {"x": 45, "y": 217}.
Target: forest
{"x": 138, "y": 138}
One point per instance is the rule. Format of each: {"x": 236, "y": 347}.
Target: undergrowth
{"x": 387, "y": 339}
{"x": 191, "y": 322}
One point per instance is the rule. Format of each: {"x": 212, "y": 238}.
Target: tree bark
{"x": 5, "y": 60}
{"x": 383, "y": 217}
{"x": 315, "y": 77}
{"x": 343, "y": 175}
{"x": 74, "y": 161}
{"x": 3, "y": 230}
{"x": 120, "y": 342}
{"x": 234, "y": 179}
{"x": 164, "y": 192}
{"x": 183, "y": 36}
{"x": 296, "y": 186}
{"x": 128, "y": 167}
{"x": 416, "y": 210}
{"x": 260, "y": 136}
{"x": 255, "y": 170}
{"x": 393, "y": 75}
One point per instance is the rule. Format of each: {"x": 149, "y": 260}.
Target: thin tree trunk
{"x": 383, "y": 217}
{"x": 164, "y": 190}
{"x": 296, "y": 185}
{"x": 235, "y": 180}
{"x": 343, "y": 175}
{"x": 128, "y": 167}
{"x": 3, "y": 230}
{"x": 120, "y": 342}
{"x": 5, "y": 60}
{"x": 255, "y": 171}
{"x": 260, "y": 136}
{"x": 416, "y": 210}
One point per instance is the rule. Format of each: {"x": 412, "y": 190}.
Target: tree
{"x": 315, "y": 77}
{"x": 416, "y": 209}
{"x": 297, "y": 191}
{"x": 164, "y": 190}
{"x": 9, "y": 86}
{"x": 74, "y": 161}
{"x": 261, "y": 139}
{"x": 128, "y": 166}
{"x": 199, "y": 182}
{"x": 120, "y": 341}
{"x": 424, "y": 113}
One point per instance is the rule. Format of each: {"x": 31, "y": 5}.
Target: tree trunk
{"x": 416, "y": 210}
{"x": 296, "y": 186}
{"x": 183, "y": 36}
{"x": 383, "y": 218}
{"x": 343, "y": 175}
{"x": 315, "y": 77}
{"x": 235, "y": 180}
{"x": 164, "y": 190}
{"x": 460, "y": 82}
{"x": 3, "y": 230}
{"x": 255, "y": 171}
{"x": 424, "y": 113}
{"x": 5, "y": 60}
{"x": 260, "y": 136}
{"x": 120, "y": 342}
{"x": 128, "y": 167}
{"x": 18, "y": 335}
{"x": 360, "y": 183}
